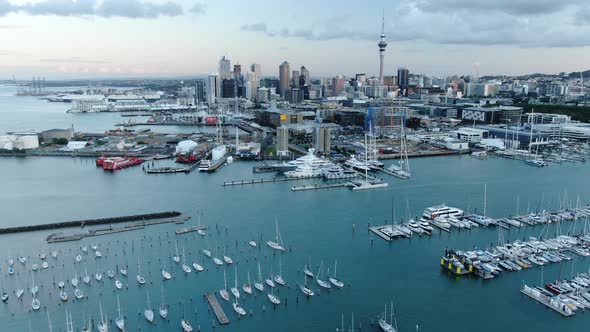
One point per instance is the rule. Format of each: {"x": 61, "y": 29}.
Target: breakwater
{"x": 89, "y": 222}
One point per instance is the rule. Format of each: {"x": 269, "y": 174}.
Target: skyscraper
{"x": 295, "y": 79}
{"x": 256, "y": 69}
{"x": 199, "y": 91}
{"x": 382, "y": 45}
{"x": 224, "y": 68}
{"x": 304, "y": 76}
{"x": 284, "y": 81}
{"x": 237, "y": 72}
{"x": 212, "y": 89}
{"x": 403, "y": 78}
{"x": 338, "y": 85}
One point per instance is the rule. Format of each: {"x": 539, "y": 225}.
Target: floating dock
{"x": 321, "y": 186}
{"x": 190, "y": 229}
{"x": 90, "y": 222}
{"x": 219, "y": 313}
{"x": 546, "y": 300}
{"x": 261, "y": 181}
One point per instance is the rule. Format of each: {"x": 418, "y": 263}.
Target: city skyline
{"x": 135, "y": 38}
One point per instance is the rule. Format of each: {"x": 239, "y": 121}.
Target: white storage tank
{"x": 186, "y": 146}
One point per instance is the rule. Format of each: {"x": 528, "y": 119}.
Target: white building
{"x": 213, "y": 86}
{"x": 19, "y": 141}
{"x": 470, "y": 135}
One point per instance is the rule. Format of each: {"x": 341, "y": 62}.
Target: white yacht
{"x": 204, "y": 165}
{"x": 441, "y": 211}
{"x": 357, "y": 164}
{"x": 308, "y": 166}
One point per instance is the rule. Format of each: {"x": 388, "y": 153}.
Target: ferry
{"x": 186, "y": 159}
{"x": 116, "y": 163}
{"x": 204, "y": 165}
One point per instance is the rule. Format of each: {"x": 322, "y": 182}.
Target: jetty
{"x": 321, "y": 186}
{"x": 261, "y": 181}
{"x": 90, "y": 222}
{"x": 219, "y": 313}
{"x": 171, "y": 170}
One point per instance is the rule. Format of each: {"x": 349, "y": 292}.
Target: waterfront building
{"x": 470, "y": 135}
{"x": 284, "y": 80}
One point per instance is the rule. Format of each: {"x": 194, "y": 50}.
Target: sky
{"x": 66, "y": 39}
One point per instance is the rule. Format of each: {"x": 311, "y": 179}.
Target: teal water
{"x": 316, "y": 226}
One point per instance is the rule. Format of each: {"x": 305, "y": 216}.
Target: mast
{"x": 485, "y": 194}
{"x": 531, "y": 136}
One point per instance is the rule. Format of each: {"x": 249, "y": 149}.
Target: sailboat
{"x": 34, "y": 288}
{"x": 278, "y": 243}
{"x": 366, "y": 184}
{"x": 253, "y": 243}
{"x": 403, "y": 170}
{"x": 307, "y": 271}
{"x": 86, "y": 278}
{"x": 163, "y": 308}
{"x": 165, "y": 274}
{"x": 200, "y": 229}
{"x": 197, "y": 267}
{"x": 224, "y": 294}
{"x": 140, "y": 279}
{"x": 186, "y": 326}
{"x": 269, "y": 281}
{"x": 235, "y": 289}
{"x": 19, "y": 291}
{"x": 383, "y": 324}
{"x": 176, "y": 258}
{"x": 35, "y": 304}
{"x": 102, "y": 324}
{"x": 120, "y": 321}
{"x": 321, "y": 282}
{"x": 305, "y": 289}
{"x": 206, "y": 252}
{"x": 74, "y": 280}
{"x": 148, "y": 313}
{"x": 78, "y": 293}
{"x": 78, "y": 258}
{"x": 44, "y": 265}
{"x": 272, "y": 298}
{"x": 118, "y": 284}
{"x": 247, "y": 287}
{"x": 278, "y": 278}
{"x": 123, "y": 271}
{"x": 258, "y": 285}
{"x": 69, "y": 322}
{"x": 110, "y": 274}
{"x": 334, "y": 280}
{"x": 63, "y": 296}
{"x": 238, "y": 309}
{"x": 185, "y": 267}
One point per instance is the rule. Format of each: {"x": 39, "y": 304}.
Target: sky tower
{"x": 382, "y": 45}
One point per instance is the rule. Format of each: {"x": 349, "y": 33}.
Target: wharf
{"x": 260, "y": 181}
{"x": 170, "y": 170}
{"x": 419, "y": 154}
{"x": 219, "y": 313}
{"x": 325, "y": 186}
{"x": 217, "y": 164}
{"x": 90, "y": 222}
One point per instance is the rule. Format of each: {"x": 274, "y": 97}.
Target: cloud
{"x": 98, "y": 8}
{"x": 74, "y": 60}
{"x": 521, "y": 23}
{"x": 198, "y": 9}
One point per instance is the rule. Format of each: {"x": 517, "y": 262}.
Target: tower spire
{"x": 382, "y": 45}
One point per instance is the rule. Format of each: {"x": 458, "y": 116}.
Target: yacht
{"x": 536, "y": 162}
{"x": 441, "y": 211}
{"x": 356, "y": 164}
{"x": 308, "y": 166}
{"x": 204, "y": 165}
{"x": 337, "y": 172}
{"x": 186, "y": 326}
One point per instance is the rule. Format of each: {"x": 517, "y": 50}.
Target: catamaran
{"x": 258, "y": 285}
{"x": 247, "y": 287}
{"x": 123, "y": 271}
{"x": 224, "y": 294}
{"x": 140, "y": 279}
{"x": 278, "y": 243}
{"x": 120, "y": 321}
{"x": 148, "y": 313}
{"x": 334, "y": 280}
{"x": 163, "y": 308}
{"x": 235, "y": 289}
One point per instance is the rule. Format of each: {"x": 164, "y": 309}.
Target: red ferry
{"x": 112, "y": 164}
{"x": 186, "y": 159}
{"x": 100, "y": 161}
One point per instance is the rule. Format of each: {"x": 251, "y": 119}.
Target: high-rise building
{"x": 282, "y": 140}
{"x": 224, "y": 68}
{"x": 389, "y": 80}
{"x": 212, "y": 89}
{"x": 256, "y": 69}
{"x": 361, "y": 78}
{"x": 262, "y": 95}
{"x": 322, "y": 139}
{"x": 199, "y": 92}
{"x": 403, "y": 78}
{"x": 284, "y": 81}
{"x": 251, "y": 79}
{"x": 237, "y": 72}
{"x": 229, "y": 88}
{"x": 338, "y": 85}
{"x": 303, "y": 76}
{"x": 295, "y": 79}
{"x": 382, "y": 45}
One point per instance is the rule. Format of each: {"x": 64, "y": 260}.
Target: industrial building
{"x": 19, "y": 141}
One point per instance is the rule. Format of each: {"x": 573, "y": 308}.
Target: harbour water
{"x": 315, "y": 226}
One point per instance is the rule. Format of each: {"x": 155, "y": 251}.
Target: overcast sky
{"x": 123, "y": 38}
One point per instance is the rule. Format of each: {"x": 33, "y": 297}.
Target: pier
{"x": 260, "y": 181}
{"x": 219, "y": 313}
{"x": 90, "y": 222}
{"x": 215, "y": 165}
{"x": 171, "y": 170}
{"x": 546, "y": 300}
{"x": 321, "y": 186}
